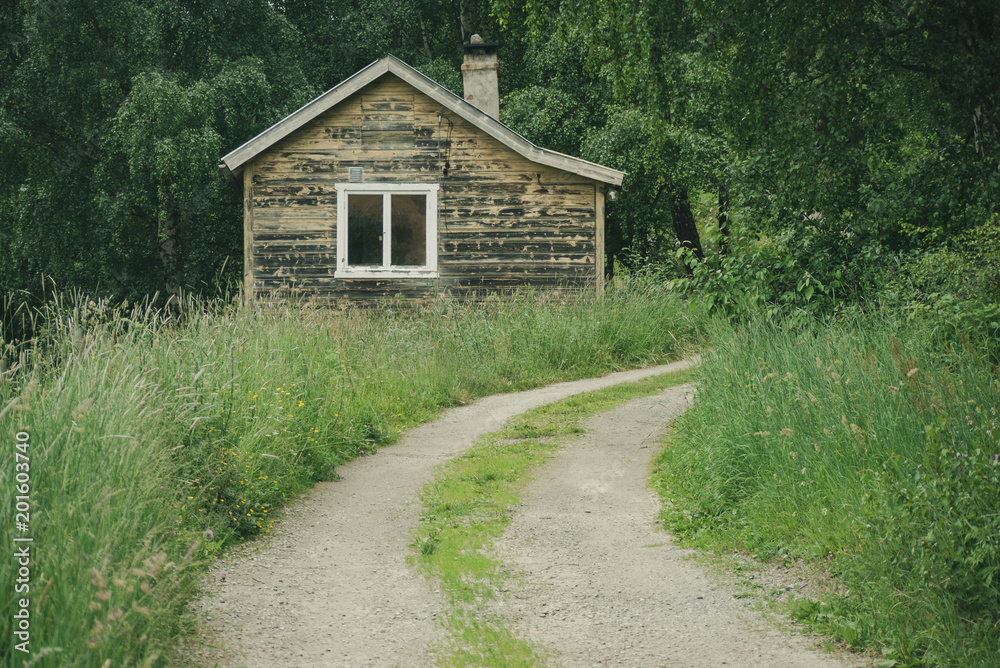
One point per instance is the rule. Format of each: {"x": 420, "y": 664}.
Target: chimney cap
{"x": 477, "y": 45}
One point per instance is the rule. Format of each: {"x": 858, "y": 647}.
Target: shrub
{"x": 955, "y": 287}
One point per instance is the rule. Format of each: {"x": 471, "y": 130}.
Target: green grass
{"x": 153, "y": 445}
{"x": 471, "y": 502}
{"x": 865, "y": 445}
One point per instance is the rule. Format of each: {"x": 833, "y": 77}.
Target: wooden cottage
{"x": 389, "y": 185}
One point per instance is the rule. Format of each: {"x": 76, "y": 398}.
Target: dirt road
{"x": 603, "y": 586}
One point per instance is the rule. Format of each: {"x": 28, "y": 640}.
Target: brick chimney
{"x": 479, "y": 75}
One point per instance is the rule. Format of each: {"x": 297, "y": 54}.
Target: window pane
{"x": 364, "y": 230}
{"x": 409, "y": 230}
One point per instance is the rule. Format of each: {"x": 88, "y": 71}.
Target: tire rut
{"x": 602, "y": 585}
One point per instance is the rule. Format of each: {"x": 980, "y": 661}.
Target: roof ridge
{"x": 390, "y": 64}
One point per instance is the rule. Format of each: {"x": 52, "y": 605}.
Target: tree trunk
{"x": 465, "y": 22}
{"x": 723, "y": 219}
{"x": 614, "y": 243}
{"x": 684, "y": 225}
{"x": 170, "y": 258}
{"x": 427, "y": 46}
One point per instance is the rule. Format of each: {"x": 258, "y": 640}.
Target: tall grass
{"x": 866, "y": 444}
{"x": 153, "y": 445}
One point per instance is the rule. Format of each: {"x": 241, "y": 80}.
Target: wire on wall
{"x": 447, "y": 155}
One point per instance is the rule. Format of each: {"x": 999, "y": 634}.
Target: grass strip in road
{"x": 471, "y": 502}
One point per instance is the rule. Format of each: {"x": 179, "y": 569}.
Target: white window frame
{"x": 387, "y": 270}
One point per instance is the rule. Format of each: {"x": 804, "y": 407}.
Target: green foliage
{"x": 955, "y": 288}
{"x": 553, "y": 100}
{"x": 445, "y": 72}
{"x": 848, "y": 132}
{"x": 864, "y": 115}
{"x": 160, "y": 151}
{"x": 116, "y": 115}
{"x": 549, "y": 117}
{"x": 762, "y": 275}
{"x": 873, "y": 454}
{"x": 946, "y": 532}
{"x": 854, "y": 132}
{"x": 666, "y": 92}
{"x": 636, "y": 228}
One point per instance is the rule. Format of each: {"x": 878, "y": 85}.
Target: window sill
{"x": 375, "y": 272}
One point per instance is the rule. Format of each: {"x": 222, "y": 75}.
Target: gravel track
{"x": 602, "y": 586}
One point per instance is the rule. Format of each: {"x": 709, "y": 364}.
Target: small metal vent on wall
{"x": 356, "y": 174}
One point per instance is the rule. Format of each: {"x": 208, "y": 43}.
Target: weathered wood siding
{"x": 503, "y": 221}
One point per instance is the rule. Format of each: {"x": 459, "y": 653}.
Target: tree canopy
{"x": 845, "y": 132}
{"x": 114, "y": 113}
{"x": 826, "y": 140}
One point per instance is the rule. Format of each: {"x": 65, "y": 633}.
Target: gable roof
{"x": 390, "y": 64}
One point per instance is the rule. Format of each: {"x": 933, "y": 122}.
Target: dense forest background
{"x": 807, "y": 154}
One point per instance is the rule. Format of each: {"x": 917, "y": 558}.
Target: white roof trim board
{"x": 390, "y": 64}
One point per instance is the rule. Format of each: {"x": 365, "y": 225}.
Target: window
{"x": 386, "y": 230}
